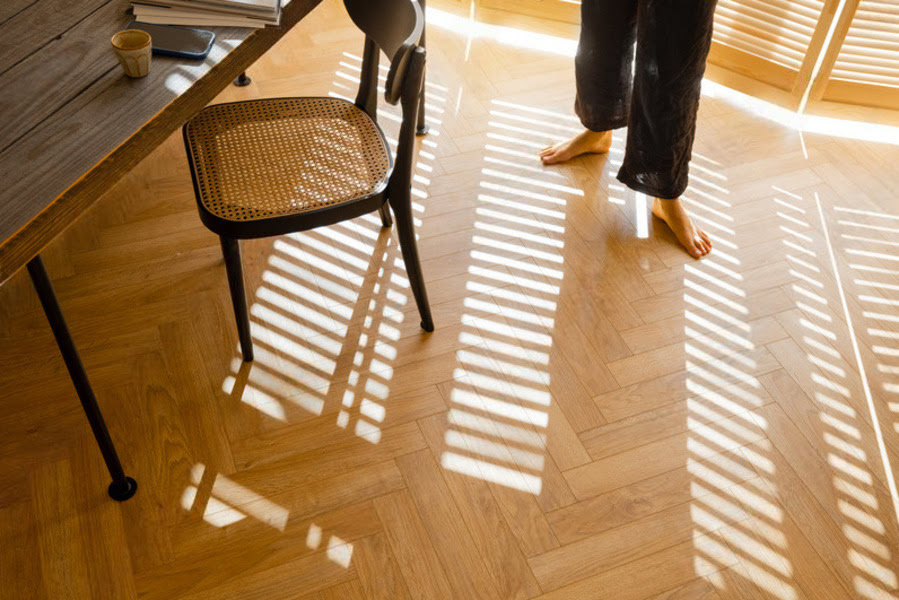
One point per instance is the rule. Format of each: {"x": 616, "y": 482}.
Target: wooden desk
{"x": 72, "y": 123}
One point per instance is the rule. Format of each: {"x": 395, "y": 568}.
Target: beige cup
{"x": 133, "y": 47}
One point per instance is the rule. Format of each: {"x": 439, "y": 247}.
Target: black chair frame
{"x": 394, "y": 27}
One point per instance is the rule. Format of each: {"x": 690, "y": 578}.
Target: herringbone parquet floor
{"x": 597, "y": 416}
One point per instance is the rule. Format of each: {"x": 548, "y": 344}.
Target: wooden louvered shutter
{"x": 767, "y": 40}
{"x": 864, "y": 69}
{"x": 568, "y": 11}
{"x": 793, "y": 46}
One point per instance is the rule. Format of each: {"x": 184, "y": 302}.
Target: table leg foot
{"x": 242, "y": 80}
{"x": 122, "y": 487}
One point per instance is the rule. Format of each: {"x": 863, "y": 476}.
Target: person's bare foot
{"x": 692, "y": 238}
{"x": 586, "y": 142}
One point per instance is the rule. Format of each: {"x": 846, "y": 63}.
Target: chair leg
{"x": 386, "y": 219}
{"x": 231, "y": 252}
{"x": 402, "y": 210}
{"x": 422, "y": 127}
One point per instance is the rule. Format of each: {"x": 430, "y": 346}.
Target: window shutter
{"x": 568, "y": 11}
{"x": 786, "y": 44}
{"x": 767, "y": 40}
{"x": 866, "y": 70}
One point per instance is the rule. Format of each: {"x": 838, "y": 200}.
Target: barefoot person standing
{"x": 657, "y": 100}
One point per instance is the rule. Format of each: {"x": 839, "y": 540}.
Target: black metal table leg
{"x": 422, "y": 128}
{"x": 122, "y": 487}
{"x": 242, "y": 80}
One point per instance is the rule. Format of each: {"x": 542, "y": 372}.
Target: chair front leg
{"x": 231, "y": 252}
{"x": 405, "y": 228}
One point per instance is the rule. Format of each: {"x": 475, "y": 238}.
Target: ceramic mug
{"x": 133, "y": 47}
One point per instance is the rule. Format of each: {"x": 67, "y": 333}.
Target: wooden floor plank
{"x": 414, "y": 550}
{"x": 666, "y": 421}
{"x": 351, "y": 590}
{"x": 195, "y": 536}
{"x": 661, "y": 492}
{"x": 604, "y": 551}
{"x": 20, "y": 559}
{"x": 257, "y": 547}
{"x": 377, "y": 569}
{"x": 701, "y": 441}
{"x": 464, "y": 566}
{"x": 310, "y": 574}
{"x": 60, "y": 531}
{"x": 500, "y": 535}
{"x": 672, "y": 567}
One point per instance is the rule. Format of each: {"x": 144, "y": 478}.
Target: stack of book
{"x": 210, "y": 13}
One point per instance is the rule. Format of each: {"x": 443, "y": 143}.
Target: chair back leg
{"x": 422, "y": 126}
{"x": 231, "y": 252}
{"x": 386, "y": 219}
{"x": 405, "y": 229}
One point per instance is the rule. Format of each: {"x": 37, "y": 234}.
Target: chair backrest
{"x": 395, "y": 26}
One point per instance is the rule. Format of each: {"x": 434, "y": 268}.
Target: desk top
{"x": 72, "y": 123}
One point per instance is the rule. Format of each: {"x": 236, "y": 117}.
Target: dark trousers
{"x": 658, "y": 99}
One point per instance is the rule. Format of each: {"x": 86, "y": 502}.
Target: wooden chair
{"x": 273, "y": 166}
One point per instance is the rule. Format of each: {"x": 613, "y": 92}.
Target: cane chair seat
{"x": 278, "y": 157}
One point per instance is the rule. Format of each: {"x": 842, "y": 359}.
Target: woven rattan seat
{"x": 285, "y": 156}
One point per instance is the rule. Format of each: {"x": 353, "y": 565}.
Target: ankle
{"x": 667, "y": 203}
{"x": 600, "y": 140}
